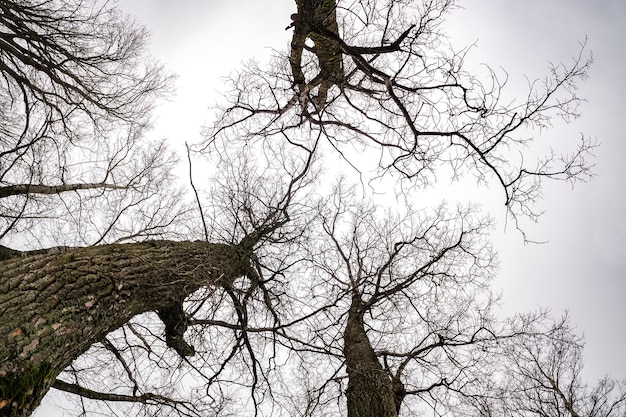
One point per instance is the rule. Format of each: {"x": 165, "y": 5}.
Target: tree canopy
{"x": 286, "y": 286}
{"x": 76, "y": 97}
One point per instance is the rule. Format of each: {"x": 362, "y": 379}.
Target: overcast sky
{"x": 583, "y": 266}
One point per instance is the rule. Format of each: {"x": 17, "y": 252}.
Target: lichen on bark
{"x": 20, "y": 391}
{"x": 56, "y": 304}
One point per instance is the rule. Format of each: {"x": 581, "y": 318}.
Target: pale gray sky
{"x": 583, "y": 267}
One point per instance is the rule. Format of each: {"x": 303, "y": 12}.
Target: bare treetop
{"x": 76, "y": 95}
{"x": 381, "y": 76}
{"x": 291, "y": 290}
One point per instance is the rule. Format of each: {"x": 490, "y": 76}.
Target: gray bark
{"x": 55, "y": 305}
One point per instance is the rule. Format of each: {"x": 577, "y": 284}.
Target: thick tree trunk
{"x": 370, "y": 392}
{"x": 55, "y": 305}
{"x": 313, "y": 17}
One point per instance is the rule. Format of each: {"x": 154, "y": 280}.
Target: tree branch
{"x": 146, "y": 398}
{"x": 22, "y": 189}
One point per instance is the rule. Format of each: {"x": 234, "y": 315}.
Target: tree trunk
{"x": 314, "y": 17}
{"x": 55, "y": 305}
{"x": 370, "y": 392}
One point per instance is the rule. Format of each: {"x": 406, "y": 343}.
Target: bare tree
{"x": 542, "y": 376}
{"x": 396, "y": 87}
{"x": 76, "y": 95}
{"x": 378, "y": 77}
{"x": 303, "y": 295}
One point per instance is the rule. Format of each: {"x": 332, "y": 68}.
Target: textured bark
{"x": 56, "y": 304}
{"x": 370, "y": 391}
{"x": 316, "y": 18}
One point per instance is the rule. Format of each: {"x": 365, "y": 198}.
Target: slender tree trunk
{"x": 370, "y": 392}
{"x": 55, "y": 305}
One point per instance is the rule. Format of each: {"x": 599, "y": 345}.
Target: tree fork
{"x": 57, "y": 303}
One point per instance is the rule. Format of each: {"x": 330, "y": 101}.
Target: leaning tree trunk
{"x": 55, "y": 305}
{"x": 370, "y": 391}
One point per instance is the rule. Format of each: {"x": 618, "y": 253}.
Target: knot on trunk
{"x": 175, "y": 321}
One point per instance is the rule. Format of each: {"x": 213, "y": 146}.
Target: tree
{"x": 543, "y": 377}
{"x": 311, "y": 299}
{"x": 75, "y": 101}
